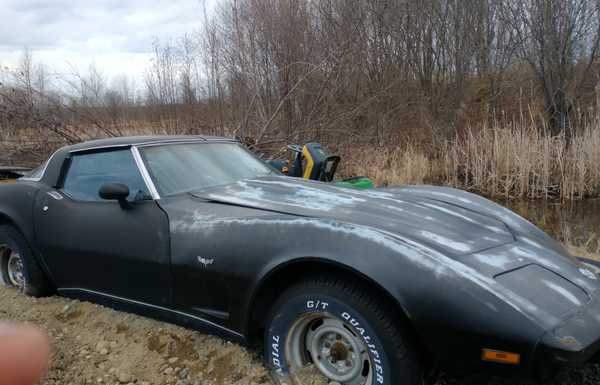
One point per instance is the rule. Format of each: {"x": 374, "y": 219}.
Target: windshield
{"x": 177, "y": 168}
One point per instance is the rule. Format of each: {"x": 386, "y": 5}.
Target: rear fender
{"x": 16, "y": 207}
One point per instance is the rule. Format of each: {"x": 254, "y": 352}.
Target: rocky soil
{"x": 95, "y": 345}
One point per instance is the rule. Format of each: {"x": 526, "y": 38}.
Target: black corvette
{"x": 370, "y": 287}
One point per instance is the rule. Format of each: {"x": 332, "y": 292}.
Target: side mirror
{"x": 115, "y": 191}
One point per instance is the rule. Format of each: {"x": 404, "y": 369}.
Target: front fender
{"x": 451, "y": 306}
{"x": 228, "y": 251}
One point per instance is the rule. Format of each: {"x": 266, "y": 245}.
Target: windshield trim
{"x": 141, "y": 165}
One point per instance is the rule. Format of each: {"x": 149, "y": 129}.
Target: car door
{"x": 99, "y": 246}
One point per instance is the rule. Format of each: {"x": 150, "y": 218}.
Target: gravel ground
{"x": 95, "y": 345}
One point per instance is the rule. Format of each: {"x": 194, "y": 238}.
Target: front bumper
{"x": 576, "y": 340}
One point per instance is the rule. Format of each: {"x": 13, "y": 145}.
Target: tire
{"x": 335, "y": 317}
{"x": 34, "y": 281}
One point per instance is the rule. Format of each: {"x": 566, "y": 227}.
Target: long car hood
{"x": 445, "y": 227}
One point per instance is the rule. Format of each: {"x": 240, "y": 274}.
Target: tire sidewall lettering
{"x": 275, "y": 343}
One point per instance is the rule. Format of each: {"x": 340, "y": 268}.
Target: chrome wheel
{"x": 335, "y": 350}
{"x": 15, "y": 270}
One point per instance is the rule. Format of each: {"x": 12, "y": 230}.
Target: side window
{"x": 88, "y": 172}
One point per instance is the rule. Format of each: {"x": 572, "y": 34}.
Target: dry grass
{"x": 389, "y": 165}
{"x": 515, "y": 160}
{"x": 519, "y": 161}
{"x": 511, "y": 160}
{"x": 583, "y": 252}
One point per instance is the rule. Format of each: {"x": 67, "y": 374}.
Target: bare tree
{"x": 343, "y": 70}
{"x": 559, "y": 39}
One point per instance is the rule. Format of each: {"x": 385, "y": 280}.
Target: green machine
{"x": 313, "y": 162}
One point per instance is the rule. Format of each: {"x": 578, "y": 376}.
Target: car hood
{"x": 439, "y": 225}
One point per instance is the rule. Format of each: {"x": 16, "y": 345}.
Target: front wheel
{"x": 343, "y": 333}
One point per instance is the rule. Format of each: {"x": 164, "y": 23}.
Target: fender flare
{"x": 276, "y": 268}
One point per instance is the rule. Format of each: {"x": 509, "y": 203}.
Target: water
{"x": 576, "y": 222}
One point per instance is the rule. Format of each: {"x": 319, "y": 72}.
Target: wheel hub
{"x": 15, "y": 270}
{"x": 330, "y": 346}
{"x": 335, "y": 351}
{"x": 339, "y": 351}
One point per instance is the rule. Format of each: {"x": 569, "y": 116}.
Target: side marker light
{"x": 500, "y": 357}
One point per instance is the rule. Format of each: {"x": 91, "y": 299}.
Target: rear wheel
{"x": 14, "y": 269}
{"x": 18, "y": 267}
{"x": 341, "y": 332}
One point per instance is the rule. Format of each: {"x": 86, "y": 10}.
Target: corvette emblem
{"x": 588, "y": 274}
{"x": 206, "y": 261}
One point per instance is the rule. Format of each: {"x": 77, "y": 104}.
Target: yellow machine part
{"x": 309, "y": 163}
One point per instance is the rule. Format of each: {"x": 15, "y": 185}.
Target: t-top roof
{"x": 141, "y": 140}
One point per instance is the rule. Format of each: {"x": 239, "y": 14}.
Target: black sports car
{"x": 369, "y": 287}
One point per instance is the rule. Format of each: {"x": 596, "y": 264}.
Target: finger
{"x": 24, "y": 353}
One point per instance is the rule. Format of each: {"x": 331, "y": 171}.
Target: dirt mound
{"x": 92, "y": 344}
{"x": 95, "y": 345}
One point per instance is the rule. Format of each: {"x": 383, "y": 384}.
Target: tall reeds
{"x": 514, "y": 160}
{"x": 403, "y": 165}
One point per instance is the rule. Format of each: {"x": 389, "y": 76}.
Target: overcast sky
{"x": 115, "y": 35}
